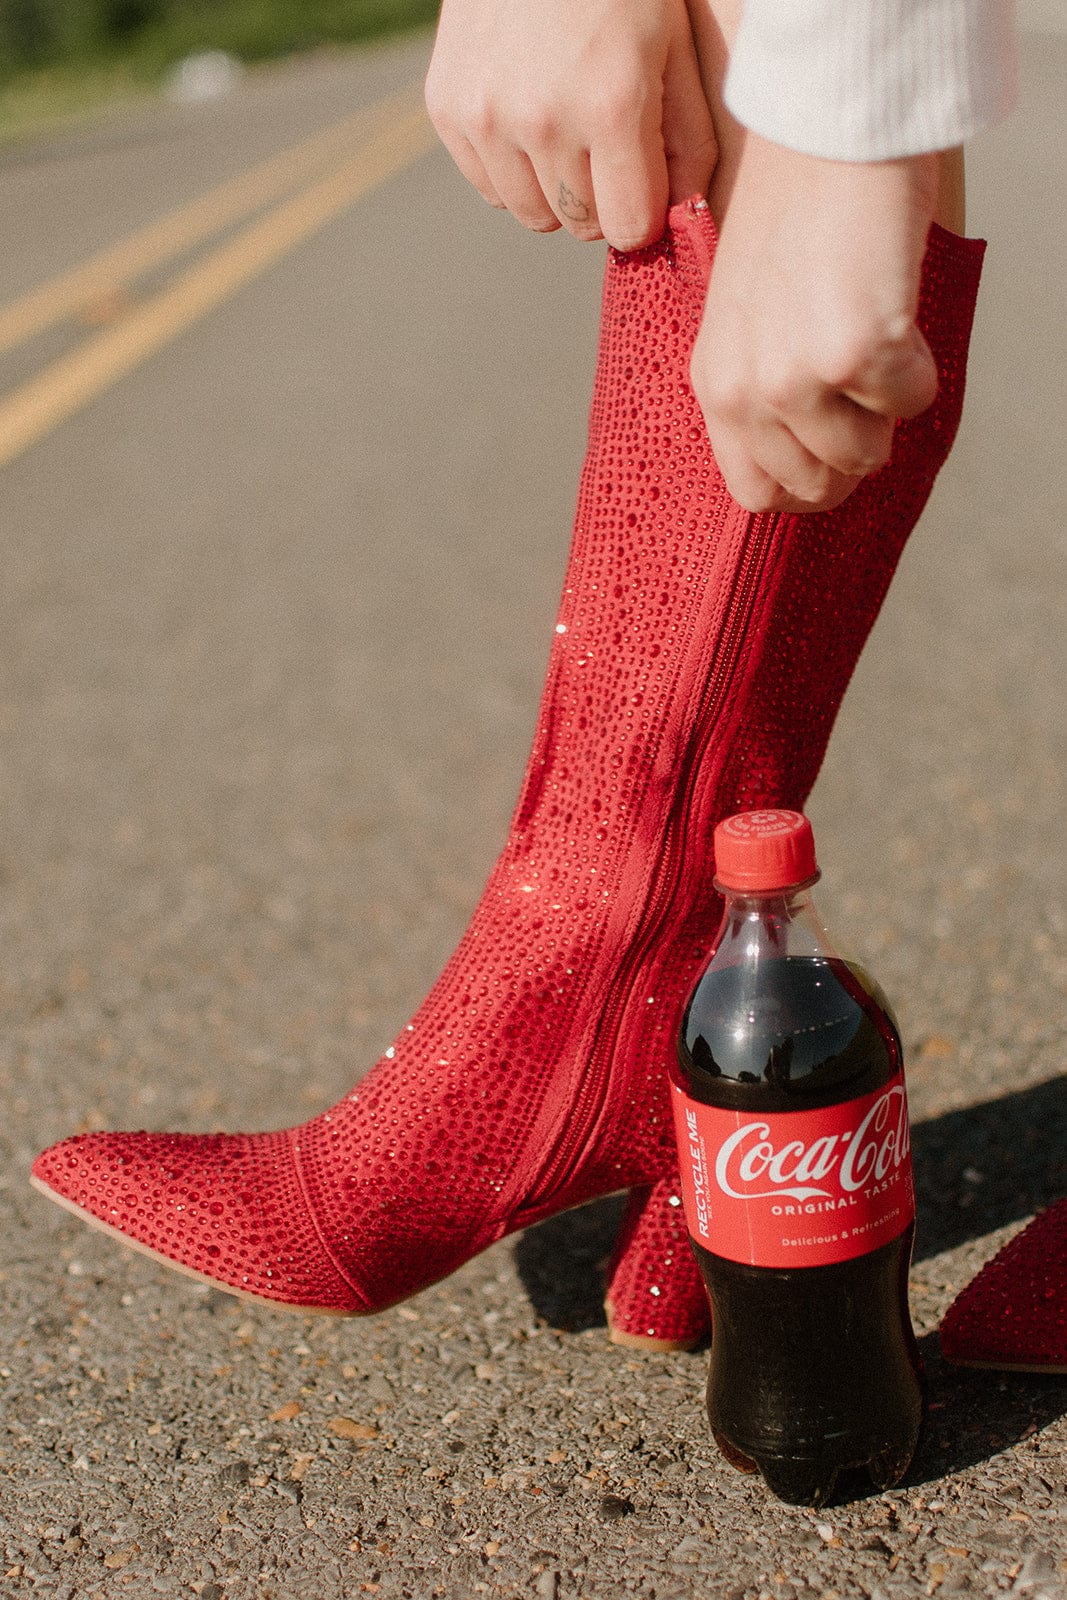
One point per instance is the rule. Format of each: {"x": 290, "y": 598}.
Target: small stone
{"x": 349, "y": 1428}
{"x": 287, "y": 1412}
{"x": 121, "y": 1558}
{"x": 1037, "y": 1568}
{"x": 877, "y": 1544}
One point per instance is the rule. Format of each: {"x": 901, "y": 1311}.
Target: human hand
{"x": 591, "y": 117}
{"x": 808, "y": 351}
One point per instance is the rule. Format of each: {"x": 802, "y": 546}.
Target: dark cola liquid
{"x": 814, "y": 1370}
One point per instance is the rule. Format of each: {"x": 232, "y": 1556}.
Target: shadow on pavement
{"x": 561, "y": 1264}
{"x": 977, "y": 1414}
{"x": 988, "y": 1165}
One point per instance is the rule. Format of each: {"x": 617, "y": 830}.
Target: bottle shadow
{"x": 973, "y": 1415}
{"x": 976, "y": 1414}
{"x": 976, "y": 1170}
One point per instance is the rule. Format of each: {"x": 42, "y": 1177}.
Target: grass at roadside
{"x": 33, "y": 101}
{"x": 120, "y": 70}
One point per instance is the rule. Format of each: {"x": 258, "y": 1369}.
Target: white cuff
{"x": 867, "y": 80}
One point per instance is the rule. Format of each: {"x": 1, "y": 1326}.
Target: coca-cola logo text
{"x": 862, "y": 1156}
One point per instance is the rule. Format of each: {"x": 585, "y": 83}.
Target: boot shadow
{"x": 561, "y": 1264}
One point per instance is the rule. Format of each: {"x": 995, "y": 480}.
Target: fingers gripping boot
{"x": 699, "y": 657}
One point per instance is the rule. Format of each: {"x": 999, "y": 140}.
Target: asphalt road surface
{"x": 291, "y": 433}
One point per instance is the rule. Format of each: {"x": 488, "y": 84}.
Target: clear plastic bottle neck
{"x": 772, "y": 924}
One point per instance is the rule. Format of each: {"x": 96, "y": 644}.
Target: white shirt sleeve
{"x": 866, "y": 80}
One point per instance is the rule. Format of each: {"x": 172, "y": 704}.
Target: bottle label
{"x": 797, "y": 1188}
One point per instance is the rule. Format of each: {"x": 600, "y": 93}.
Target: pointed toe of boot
{"x": 1013, "y": 1315}
{"x": 229, "y": 1209}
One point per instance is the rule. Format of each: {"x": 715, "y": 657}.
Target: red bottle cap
{"x": 760, "y": 850}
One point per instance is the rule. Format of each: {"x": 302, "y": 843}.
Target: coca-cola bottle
{"x": 792, "y": 1128}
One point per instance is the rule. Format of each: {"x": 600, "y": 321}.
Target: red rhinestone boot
{"x": 700, "y": 656}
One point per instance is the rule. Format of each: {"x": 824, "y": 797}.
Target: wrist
{"x": 787, "y": 172}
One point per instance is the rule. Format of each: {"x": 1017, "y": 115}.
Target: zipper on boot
{"x": 586, "y": 1110}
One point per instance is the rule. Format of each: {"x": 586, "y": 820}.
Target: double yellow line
{"x": 387, "y": 137}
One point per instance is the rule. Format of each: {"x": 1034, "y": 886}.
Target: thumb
{"x": 689, "y": 140}
{"x": 900, "y": 380}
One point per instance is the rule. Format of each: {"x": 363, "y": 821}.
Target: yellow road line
{"x": 70, "y": 383}
{"x": 164, "y": 238}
